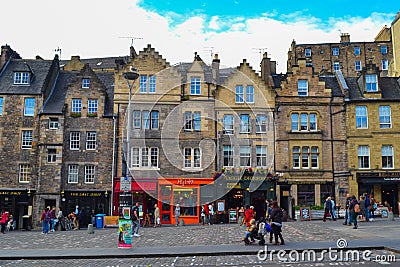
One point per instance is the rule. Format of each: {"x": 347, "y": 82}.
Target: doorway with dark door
{"x": 258, "y": 201}
{"x": 390, "y": 194}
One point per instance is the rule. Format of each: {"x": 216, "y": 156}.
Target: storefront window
{"x": 187, "y": 199}
{"x": 326, "y": 191}
{"x": 305, "y": 195}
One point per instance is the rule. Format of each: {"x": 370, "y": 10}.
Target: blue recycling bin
{"x": 99, "y": 220}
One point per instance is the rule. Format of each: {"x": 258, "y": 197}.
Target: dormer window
{"x": 85, "y": 83}
{"x": 371, "y": 83}
{"x": 21, "y": 78}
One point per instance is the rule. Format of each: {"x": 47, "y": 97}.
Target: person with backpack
{"x": 354, "y": 210}
{"x": 276, "y": 222}
{"x": 328, "y": 208}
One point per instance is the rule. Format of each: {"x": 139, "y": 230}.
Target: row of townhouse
{"x": 195, "y": 133}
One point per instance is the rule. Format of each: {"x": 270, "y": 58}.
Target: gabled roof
{"x": 39, "y": 70}
{"x": 388, "y": 86}
{"x": 183, "y": 69}
{"x": 100, "y": 63}
{"x": 332, "y": 83}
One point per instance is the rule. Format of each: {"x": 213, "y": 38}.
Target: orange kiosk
{"x": 182, "y": 191}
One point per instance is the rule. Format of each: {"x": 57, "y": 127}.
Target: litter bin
{"x": 100, "y": 220}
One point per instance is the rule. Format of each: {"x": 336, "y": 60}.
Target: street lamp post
{"x": 130, "y": 78}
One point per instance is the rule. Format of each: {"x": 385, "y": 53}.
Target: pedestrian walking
{"x": 211, "y": 214}
{"x": 354, "y": 208}
{"x": 177, "y": 214}
{"x": 328, "y": 208}
{"x": 135, "y": 219}
{"x": 347, "y": 218}
{"x": 4, "y": 221}
{"x": 333, "y": 213}
{"x": 45, "y": 220}
{"x": 276, "y": 223}
{"x": 157, "y": 219}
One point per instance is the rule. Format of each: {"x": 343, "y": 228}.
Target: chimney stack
{"x": 215, "y": 69}
{"x": 345, "y": 38}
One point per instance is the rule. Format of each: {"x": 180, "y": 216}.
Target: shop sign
{"x": 11, "y": 193}
{"x": 85, "y": 194}
{"x": 391, "y": 175}
{"x": 183, "y": 182}
{"x": 126, "y": 184}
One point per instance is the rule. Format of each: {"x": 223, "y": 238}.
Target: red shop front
{"x": 142, "y": 190}
{"x": 182, "y": 191}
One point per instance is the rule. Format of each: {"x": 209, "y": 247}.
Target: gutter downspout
{"x": 113, "y": 166}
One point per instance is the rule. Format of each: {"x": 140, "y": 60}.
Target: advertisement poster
{"x": 125, "y": 233}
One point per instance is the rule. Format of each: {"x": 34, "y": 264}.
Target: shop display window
{"x": 187, "y": 200}
{"x": 306, "y": 195}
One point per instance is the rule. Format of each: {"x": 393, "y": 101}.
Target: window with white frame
{"x": 336, "y": 66}
{"x": 385, "y": 64}
{"x": 239, "y": 94}
{"x": 261, "y": 156}
{"x": 245, "y": 156}
{"x": 146, "y": 119}
{"x": 228, "y": 156}
{"x": 85, "y": 83}
{"x": 304, "y": 121}
{"x": 152, "y": 84}
{"x": 76, "y": 106}
{"x": 90, "y": 172}
{"x": 192, "y": 121}
{"x": 307, "y": 52}
{"x": 192, "y": 157}
{"x": 136, "y": 119}
{"x": 228, "y": 124}
{"x": 26, "y": 142}
{"x": 91, "y": 142}
{"x": 361, "y": 117}
{"x": 363, "y": 157}
{"x": 387, "y": 157}
{"x": 143, "y": 83}
{"x": 73, "y": 173}
{"x": 314, "y": 157}
{"x": 249, "y": 94}
{"x": 195, "y": 85}
{"x": 371, "y": 81}
{"x": 358, "y": 65}
{"x": 51, "y": 155}
{"x": 296, "y": 157}
{"x": 155, "y": 117}
{"x": 24, "y": 174}
{"x": 385, "y": 120}
{"x": 357, "y": 51}
{"x": 261, "y": 124}
{"x": 29, "y": 106}
{"x": 302, "y": 87}
{"x": 1, "y": 105}
{"x": 335, "y": 51}
{"x": 53, "y": 123}
{"x": 92, "y": 106}
{"x": 21, "y": 78}
{"x": 74, "y": 140}
{"x": 305, "y": 157}
{"x": 383, "y": 49}
{"x": 244, "y": 123}
{"x": 145, "y": 157}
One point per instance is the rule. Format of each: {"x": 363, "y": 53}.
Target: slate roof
{"x": 183, "y": 68}
{"x": 39, "y": 68}
{"x": 388, "y": 86}
{"x": 277, "y": 79}
{"x": 100, "y": 63}
{"x": 107, "y": 78}
{"x": 332, "y": 83}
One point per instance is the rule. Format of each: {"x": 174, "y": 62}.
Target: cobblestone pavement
{"x": 164, "y": 236}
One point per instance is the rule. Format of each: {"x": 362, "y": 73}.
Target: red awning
{"x": 139, "y": 187}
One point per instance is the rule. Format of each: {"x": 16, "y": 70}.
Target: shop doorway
{"x": 258, "y": 201}
{"x": 390, "y": 194}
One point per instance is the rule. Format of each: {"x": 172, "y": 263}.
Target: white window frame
{"x": 336, "y": 66}
{"x": 154, "y": 119}
{"x": 53, "y": 123}
{"x": 143, "y": 83}
{"x": 385, "y": 64}
{"x": 93, "y": 106}
{"x": 21, "y": 78}
{"x": 249, "y": 94}
{"x": 371, "y": 82}
{"x": 51, "y": 155}
{"x": 144, "y": 157}
{"x": 387, "y": 153}
{"x": 314, "y": 157}
{"x": 91, "y": 140}
{"x": 90, "y": 174}
{"x": 73, "y": 173}
{"x": 85, "y": 83}
{"x": 361, "y": 117}
{"x": 357, "y": 51}
{"x": 146, "y": 119}
{"x": 261, "y": 156}
{"x": 27, "y": 138}
{"x": 188, "y": 121}
{"x": 307, "y": 52}
{"x": 305, "y": 157}
{"x": 152, "y": 84}
{"x": 261, "y": 124}
{"x": 358, "y": 65}
{"x": 363, "y": 154}
{"x": 244, "y": 123}
{"x": 29, "y": 106}
{"x": 228, "y": 156}
{"x": 302, "y": 87}
{"x": 335, "y": 51}
{"x": 385, "y": 117}
{"x": 239, "y": 94}
{"x": 296, "y": 157}
{"x": 228, "y": 124}
{"x": 74, "y": 141}
{"x": 195, "y": 86}
{"x": 191, "y": 158}
{"x": 295, "y": 121}
{"x": 24, "y": 173}
{"x": 245, "y": 156}
{"x": 137, "y": 119}
{"x": 76, "y": 105}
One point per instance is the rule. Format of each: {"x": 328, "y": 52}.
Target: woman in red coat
{"x": 248, "y": 215}
{"x": 3, "y": 221}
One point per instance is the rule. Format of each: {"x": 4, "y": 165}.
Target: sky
{"x": 233, "y": 29}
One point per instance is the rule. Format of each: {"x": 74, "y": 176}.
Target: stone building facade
{"x": 310, "y": 136}
{"x": 346, "y": 56}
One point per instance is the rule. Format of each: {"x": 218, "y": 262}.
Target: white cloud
{"x": 93, "y": 28}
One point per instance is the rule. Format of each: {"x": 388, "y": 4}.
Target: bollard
{"x": 90, "y": 229}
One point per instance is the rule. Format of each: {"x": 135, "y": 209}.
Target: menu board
{"x": 305, "y": 214}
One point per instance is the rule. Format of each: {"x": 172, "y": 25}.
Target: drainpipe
{"x": 113, "y": 165}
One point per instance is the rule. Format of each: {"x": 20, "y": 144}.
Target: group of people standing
{"x": 52, "y": 218}
{"x": 364, "y": 206}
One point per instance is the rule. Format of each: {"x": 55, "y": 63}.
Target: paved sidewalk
{"x": 196, "y": 240}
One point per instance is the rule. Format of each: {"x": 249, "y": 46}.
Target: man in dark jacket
{"x": 328, "y": 208}
{"x": 347, "y": 219}
{"x": 276, "y": 222}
